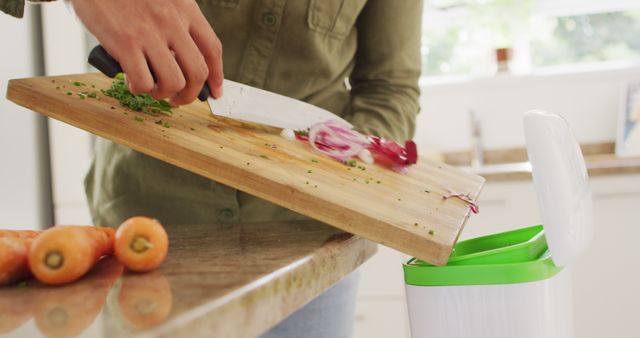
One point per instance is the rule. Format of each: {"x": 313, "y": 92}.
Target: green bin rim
{"x": 516, "y": 256}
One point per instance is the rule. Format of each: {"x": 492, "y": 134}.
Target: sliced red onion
{"x": 338, "y": 140}
{"x": 465, "y": 198}
{"x": 365, "y": 156}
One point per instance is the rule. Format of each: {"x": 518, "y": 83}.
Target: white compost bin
{"x": 516, "y": 283}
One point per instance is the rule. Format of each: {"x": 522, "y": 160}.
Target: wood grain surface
{"x": 405, "y": 212}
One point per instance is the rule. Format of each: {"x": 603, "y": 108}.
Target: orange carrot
{"x": 145, "y": 299}
{"x": 141, "y": 244}
{"x": 67, "y": 311}
{"x": 20, "y": 233}
{"x": 65, "y": 253}
{"x": 14, "y": 251}
{"x": 16, "y": 307}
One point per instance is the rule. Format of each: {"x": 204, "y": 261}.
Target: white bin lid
{"x": 562, "y": 185}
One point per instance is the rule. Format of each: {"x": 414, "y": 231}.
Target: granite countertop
{"x": 217, "y": 281}
{"x": 512, "y": 164}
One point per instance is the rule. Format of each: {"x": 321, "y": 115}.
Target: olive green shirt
{"x": 359, "y": 59}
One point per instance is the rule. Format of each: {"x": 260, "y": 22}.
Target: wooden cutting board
{"x": 405, "y": 212}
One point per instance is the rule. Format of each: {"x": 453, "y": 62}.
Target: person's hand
{"x": 172, "y": 36}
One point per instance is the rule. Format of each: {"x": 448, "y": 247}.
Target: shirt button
{"x": 226, "y": 213}
{"x": 269, "y": 19}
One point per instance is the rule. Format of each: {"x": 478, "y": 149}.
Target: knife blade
{"x": 240, "y": 101}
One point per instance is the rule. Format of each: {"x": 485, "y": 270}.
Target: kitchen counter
{"x": 217, "y": 281}
{"x": 512, "y": 164}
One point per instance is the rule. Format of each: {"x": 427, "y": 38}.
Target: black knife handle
{"x": 105, "y": 63}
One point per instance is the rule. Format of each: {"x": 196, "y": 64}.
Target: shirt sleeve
{"x": 16, "y": 7}
{"x": 384, "y": 82}
{"x": 13, "y": 7}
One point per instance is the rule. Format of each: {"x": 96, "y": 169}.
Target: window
{"x": 460, "y": 37}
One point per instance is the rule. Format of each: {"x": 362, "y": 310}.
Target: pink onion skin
{"x": 338, "y": 140}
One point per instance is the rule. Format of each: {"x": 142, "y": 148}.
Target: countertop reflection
{"x": 218, "y": 280}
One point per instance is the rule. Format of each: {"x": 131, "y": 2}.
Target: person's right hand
{"x": 172, "y": 36}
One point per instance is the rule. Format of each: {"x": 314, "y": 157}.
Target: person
{"x": 359, "y": 59}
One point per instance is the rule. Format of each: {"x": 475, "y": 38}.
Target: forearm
{"x": 385, "y": 90}
{"x": 16, "y": 7}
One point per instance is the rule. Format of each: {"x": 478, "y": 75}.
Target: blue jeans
{"x": 330, "y": 315}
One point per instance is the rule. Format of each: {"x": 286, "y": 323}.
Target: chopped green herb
{"x": 93, "y": 86}
{"x": 304, "y": 132}
{"x": 431, "y": 232}
{"x": 192, "y": 129}
{"x": 314, "y": 160}
{"x": 351, "y": 163}
{"x": 309, "y": 171}
{"x": 92, "y": 95}
{"x": 138, "y": 118}
{"x": 142, "y": 102}
{"x": 264, "y": 156}
{"x": 166, "y": 125}
{"x": 415, "y": 224}
{"x": 427, "y": 191}
{"x": 82, "y": 96}
{"x": 378, "y": 182}
{"x": 58, "y": 87}
{"x": 78, "y": 83}
{"x": 69, "y": 93}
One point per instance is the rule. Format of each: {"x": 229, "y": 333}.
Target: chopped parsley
{"x": 142, "y": 102}
{"x": 351, "y": 163}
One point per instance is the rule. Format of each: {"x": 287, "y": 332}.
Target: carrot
{"x": 65, "y": 253}
{"x": 141, "y": 244}
{"x": 145, "y": 300}
{"x": 67, "y": 311}
{"x": 20, "y": 233}
{"x": 16, "y": 307}
{"x": 14, "y": 250}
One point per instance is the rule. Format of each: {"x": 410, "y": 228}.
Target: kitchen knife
{"x": 241, "y": 102}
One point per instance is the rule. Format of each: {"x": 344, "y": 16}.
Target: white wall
{"x": 23, "y": 192}
{"x": 589, "y": 100}
{"x": 65, "y": 53}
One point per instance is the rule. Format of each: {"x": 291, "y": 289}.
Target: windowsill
{"x": 565, "y": 71}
